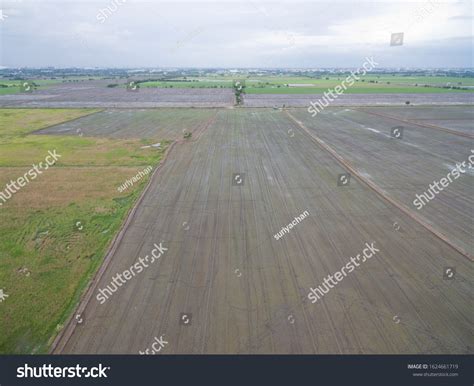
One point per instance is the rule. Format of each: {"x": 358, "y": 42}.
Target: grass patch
{"x": 352, "y": 90}
{"x": 54, "y": 231}
{"x": 14, "y": 122}
{"x": 76, "y": 151}
{"x": 368, "y": 84}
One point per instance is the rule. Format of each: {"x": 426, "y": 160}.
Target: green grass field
{"x": 54, "y": 231}
{"x": 369, "y": 84}
{"x": 17, "y": 122}
{"x": 352, "y": 90}
{"x": 8, "y": 86}
{"x": 13, "y": 86}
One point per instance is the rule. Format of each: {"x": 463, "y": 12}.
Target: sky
{"x": 230, "y": 34}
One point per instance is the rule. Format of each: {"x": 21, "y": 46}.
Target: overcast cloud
{"x": 234, "y": 34}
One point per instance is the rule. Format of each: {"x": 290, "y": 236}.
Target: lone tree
{"x": 239, "y": 87}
